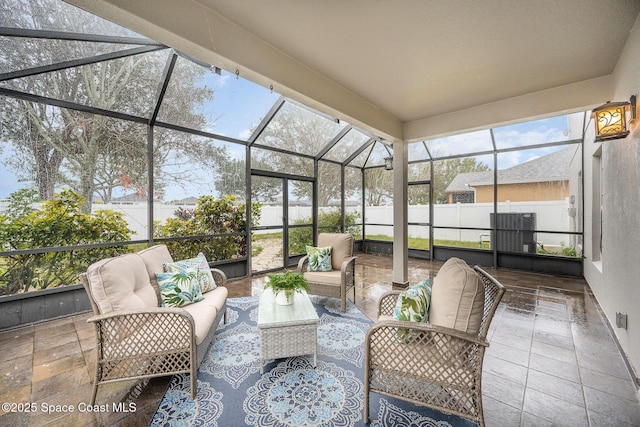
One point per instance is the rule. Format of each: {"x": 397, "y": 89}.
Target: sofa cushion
{"x": 457, "y": 298}
{"x": 216, "y": 298}
{"x": 121, "y": 283}
{"x": 205, "y": 278}
{"x": 153, "y": 258}
{"x": 319, "y": 258}
{"x": 203, "y": 317}
{"x": 324, "y": 277}
{"x": 342, "y": 247}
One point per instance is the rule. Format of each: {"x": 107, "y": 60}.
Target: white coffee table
{"x": 287, "y": 330}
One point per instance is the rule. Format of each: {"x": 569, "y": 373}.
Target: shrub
{"x": 58, "y": 223}
{"x": 299, "y": 238}
{"x": 211, "y": 216}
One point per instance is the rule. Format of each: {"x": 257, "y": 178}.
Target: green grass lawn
{"x": 414, "y": 242}
{"x": 423, "y": 244}
{"x": 420, "y": 243}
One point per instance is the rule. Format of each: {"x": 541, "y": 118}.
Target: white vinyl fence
{"x": 550, "y": 216}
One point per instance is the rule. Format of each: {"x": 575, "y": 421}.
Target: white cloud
{"x": 472, "y": 142}
{"x": 245, "y": 134}
{"x": 222, "y": 80}
{"x": 513, "y": 138}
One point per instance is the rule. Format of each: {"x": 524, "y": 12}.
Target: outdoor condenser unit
{"x": 515, "y": 232}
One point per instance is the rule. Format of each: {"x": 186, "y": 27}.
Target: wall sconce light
{"x": 388, "y": 163}
{"x": 611, "y": 119}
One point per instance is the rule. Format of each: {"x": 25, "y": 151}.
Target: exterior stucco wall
{"x": 615, "y": 280}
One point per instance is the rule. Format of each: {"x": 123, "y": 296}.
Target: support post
{"x": 400, "y": 214}
{"x": 150, "y": 185}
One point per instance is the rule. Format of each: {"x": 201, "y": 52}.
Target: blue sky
{"x": 237, "y": 107}
{"x": 554, "y": 129}
{"x": 8, "y": 180}
{"x": 238, "y": 104}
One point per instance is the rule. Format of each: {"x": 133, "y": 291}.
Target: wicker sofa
{"x": 137, "y": 337}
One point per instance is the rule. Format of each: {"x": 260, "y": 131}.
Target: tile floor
{"x": 552, "y": 361}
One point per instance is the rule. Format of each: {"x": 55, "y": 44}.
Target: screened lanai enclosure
{"x": 112, "y": 142}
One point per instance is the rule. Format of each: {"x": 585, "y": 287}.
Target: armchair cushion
{"x": 216, "y": 298}
{"x": 342, "y": 247}
{"x": 319, "y": 258}
{"x": 329, "y": 277}
{"x": 121, "y": 283}
{"x": 457, "y": 299}
{"x": 205, "y": 278}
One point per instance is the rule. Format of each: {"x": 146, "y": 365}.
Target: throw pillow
{"x": 319, "y": 258}
{"x": 205, "y": 278}
{"x": 179, "y": 288}
{"x": 412, "y": 306}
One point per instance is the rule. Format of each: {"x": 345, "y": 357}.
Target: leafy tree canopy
{"x": 90, "y": 153}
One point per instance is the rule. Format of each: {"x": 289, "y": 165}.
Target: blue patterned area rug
{"x": 291, "y": 392}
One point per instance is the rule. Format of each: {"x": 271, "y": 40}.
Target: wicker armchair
{"x": 439, "y": 367}
{"x": 135, "y": 337}
{"x": 335, "y": 283}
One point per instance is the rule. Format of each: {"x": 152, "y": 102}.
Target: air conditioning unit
{"x": 515, "y": 232}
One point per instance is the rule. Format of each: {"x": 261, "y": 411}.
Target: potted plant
{"x": 285, "y": 285}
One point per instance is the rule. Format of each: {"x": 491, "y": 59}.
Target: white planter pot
{"x": 281, "y": 298}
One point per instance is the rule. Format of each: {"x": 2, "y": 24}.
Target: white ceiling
{"x": 401, "y": 66}
{"x": 416, "y": 59}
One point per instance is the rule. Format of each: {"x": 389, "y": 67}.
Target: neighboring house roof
{"x": 552, "y": 167}
{"x": 464, "y": 181}
{"x": 279, "y": 201}
{"x": 132, "y": 198}
{"x": 346, "y": 203}
{"x": 186, "y": 201}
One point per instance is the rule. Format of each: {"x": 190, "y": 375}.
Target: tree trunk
{"x": 86, "y": 190}
{"x": 48, "y": 161}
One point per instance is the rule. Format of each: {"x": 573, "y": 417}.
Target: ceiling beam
{"x": 537, "y": 105}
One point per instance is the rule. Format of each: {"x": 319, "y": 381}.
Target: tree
{"x": 446, "y": 170}
{"x": 378, "y": 187}
{"x": 90, "y": 153}
{"x": 379, "y": 182}
{"x": 297, "y": 131}
{"x": 230, "y": 179}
